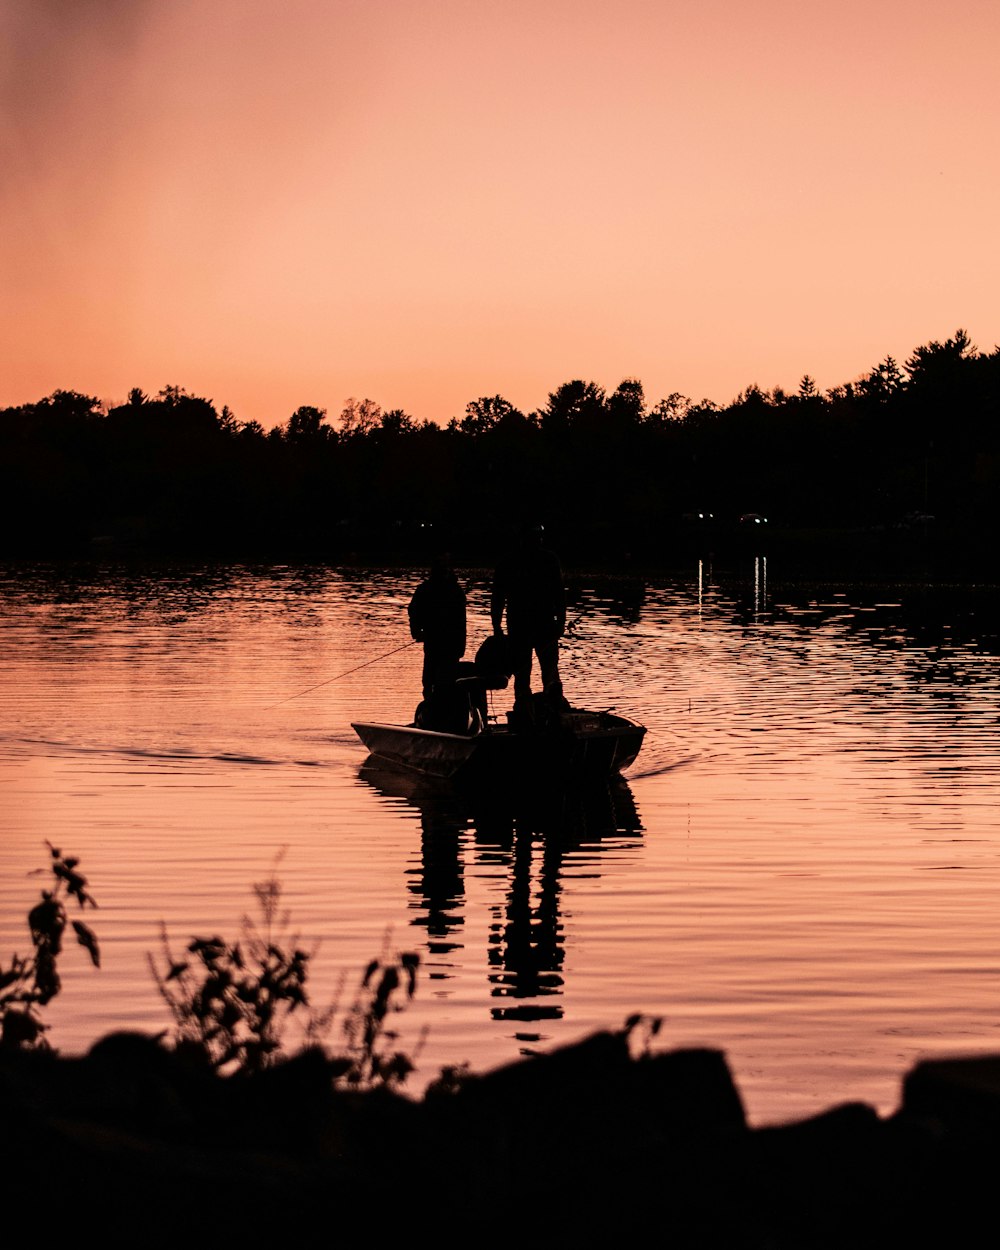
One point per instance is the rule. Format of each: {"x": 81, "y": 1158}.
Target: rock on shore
{"x": 588, "y": 1145}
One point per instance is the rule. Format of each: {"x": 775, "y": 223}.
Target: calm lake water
{"x": 802, "y": 868}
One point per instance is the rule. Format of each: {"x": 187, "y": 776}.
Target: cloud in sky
{"x": 282, "y": 204}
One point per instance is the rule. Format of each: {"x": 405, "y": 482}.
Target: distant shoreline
{"x": 931, "y": 554}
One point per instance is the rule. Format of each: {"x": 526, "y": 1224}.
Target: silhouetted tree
{"x": 626, "y": 405}
{"x": 359, "y": 417}
{"x": 574, "y": 403}
{"x": 807, "y": 389}
{"x": 227, "y": 420}
{"x": 396, "y": 422}
{"x": 935, "y": 361}
{"x": 306, "y": 424}
{"x": 485, "y": 413}
{"x": 884, "y": 381}
{"x": 672, "y": 407}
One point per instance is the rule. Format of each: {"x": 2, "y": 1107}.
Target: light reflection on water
{"x": 802, "y": 869}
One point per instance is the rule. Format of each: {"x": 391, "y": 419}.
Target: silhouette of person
{"x": 528, "y": 586}
{"x": 437, "y": 619}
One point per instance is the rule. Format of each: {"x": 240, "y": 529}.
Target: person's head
{"x": 532, "y": 534}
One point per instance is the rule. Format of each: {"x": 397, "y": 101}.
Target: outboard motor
{"x": 457, "y": 707}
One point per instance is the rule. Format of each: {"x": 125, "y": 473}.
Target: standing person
{"x": 528, "y": 586}
{"x": 437, "y": 619}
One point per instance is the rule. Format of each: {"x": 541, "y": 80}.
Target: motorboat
{"x": 569, "y": 744}
{"x": 542, "y": 739}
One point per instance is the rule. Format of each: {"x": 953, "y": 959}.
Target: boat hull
{"x": 582, "y": 745}
{"x": 421, "y": 750}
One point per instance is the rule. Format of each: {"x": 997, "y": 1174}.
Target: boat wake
{"x": 660, "y": 770}
{"x": 153, "y": 754}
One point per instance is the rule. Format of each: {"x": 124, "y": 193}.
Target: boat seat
{"x": 492, "y": 663}
{"x": 457, "y": 708}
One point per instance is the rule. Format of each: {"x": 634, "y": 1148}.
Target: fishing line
{"x": 395, "y": 651}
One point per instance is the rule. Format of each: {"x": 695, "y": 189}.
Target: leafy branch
{"x": 387, "y": 986}
{"x": 32, "y": 981}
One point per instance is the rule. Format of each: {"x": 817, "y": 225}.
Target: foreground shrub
{"x": 242, "y": 1004}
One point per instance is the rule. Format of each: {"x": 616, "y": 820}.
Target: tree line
{"x": 607, "y": 472}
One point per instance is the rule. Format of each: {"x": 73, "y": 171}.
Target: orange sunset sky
{"x": 284, "y": 202}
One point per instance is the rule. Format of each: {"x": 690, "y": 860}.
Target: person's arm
{"x": 498, "y": 601}
{"x": 413, "y": 612}
{"x": 559, "y": 598}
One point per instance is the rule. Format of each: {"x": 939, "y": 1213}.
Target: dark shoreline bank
{"x": 856, "y": 555}
{"x": 587, "y": 1145}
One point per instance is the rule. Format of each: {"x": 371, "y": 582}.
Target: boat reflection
{"x": 528, "y": 837}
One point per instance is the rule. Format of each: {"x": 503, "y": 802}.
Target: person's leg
{"x": 477, "y": 693}
{"x": 429, "y": 671}
{"x": 520, "y": 658}
{"x": 548, "y": 663}
{"x": 439, "y": 671}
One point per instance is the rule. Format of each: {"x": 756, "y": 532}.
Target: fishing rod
{"x": 395, "y": 651}
{"x": 355, "y": 669}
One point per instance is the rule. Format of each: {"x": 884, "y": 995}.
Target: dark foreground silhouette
{"x": 590, "y": 1145}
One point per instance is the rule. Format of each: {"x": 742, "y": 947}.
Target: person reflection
{"x": 526, "y": 837}
{"x": 438, "y": 884}
{"x": 526, "y": 949}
